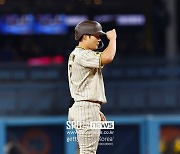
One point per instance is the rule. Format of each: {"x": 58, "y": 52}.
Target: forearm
{"x": 108, "y": 54}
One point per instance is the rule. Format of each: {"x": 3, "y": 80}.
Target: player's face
{"x": 94, "y": 42}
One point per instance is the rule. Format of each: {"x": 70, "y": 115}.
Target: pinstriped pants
{"x": 83, "y": 112}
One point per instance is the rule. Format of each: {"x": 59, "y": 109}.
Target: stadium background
{"x": 142, "y": 83}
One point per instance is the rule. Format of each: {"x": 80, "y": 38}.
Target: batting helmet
{"x": 88, "y": 27}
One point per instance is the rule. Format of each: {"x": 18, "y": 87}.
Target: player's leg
{"x": 87, "y": 138}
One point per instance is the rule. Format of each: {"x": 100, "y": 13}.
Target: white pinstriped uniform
{"x": 86, "y": 87}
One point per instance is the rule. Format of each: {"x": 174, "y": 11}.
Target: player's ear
{"x": 86, "y": 36}
{"x": 83, "y": 37}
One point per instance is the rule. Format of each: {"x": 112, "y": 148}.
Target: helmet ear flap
{"x": 76, "y": 35}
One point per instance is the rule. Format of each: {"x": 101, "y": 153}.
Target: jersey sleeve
{"x": 90, "y": 59}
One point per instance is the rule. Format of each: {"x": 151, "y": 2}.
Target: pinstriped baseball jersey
{"x": 85, "y": 76}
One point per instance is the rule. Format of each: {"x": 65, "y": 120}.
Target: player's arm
{"x": 108, "y": 54}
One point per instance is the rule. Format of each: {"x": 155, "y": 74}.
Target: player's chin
{"x": 96, "y": 47}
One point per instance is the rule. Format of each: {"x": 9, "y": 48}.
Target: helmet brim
{"x": 100, "y": 33}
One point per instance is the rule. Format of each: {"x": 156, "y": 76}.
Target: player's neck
{"x": 82, "y": 46}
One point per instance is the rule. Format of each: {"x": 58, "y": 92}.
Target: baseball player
{"x": 86, "y": 81}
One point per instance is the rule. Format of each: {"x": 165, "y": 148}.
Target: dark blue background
{"x": 126, "y": 141}
{"x": 55, "y": 135}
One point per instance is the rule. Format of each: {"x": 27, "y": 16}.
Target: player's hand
{"x": 111, "y": 34}
{"x": 103, "y": 118}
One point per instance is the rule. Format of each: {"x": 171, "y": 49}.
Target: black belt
{"x": 71, "y": 102}
{"x": 98, "y": 102}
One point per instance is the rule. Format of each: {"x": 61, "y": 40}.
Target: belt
{"x": 71, "y": 102}
{"x": 98, "y": 102}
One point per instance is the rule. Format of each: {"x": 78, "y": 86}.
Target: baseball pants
{"x": 83, "y": 112}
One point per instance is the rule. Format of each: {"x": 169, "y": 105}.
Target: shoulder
{"x": 89, "y": 53}
{"x": 79, "y": 53}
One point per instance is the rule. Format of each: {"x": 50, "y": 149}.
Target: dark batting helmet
{"x": 88, "y": 27}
